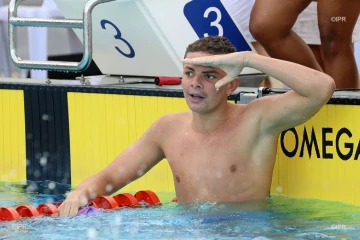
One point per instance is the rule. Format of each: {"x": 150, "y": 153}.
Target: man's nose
{"x": 197, "y": 82}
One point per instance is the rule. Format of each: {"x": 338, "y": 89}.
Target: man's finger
{"x": 187, "y": 61}
{"x": 63, "y": 210}
{"x": 73, "y": 211}
{"x": 205, "y": 61}
{"x": 231, "y": 71}
{"x": 224, "y": 81}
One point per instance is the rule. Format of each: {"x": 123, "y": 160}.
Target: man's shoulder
{"x": 171, "y": 119}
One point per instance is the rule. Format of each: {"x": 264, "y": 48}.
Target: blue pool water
{"x": 277, "y": 218}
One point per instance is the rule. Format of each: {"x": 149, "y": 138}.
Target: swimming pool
{"x": 278, "y": 217}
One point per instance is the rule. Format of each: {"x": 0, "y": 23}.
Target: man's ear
{"x": 232, "y": 86}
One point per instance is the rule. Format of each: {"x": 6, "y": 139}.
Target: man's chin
{"x": 198, "y": 109}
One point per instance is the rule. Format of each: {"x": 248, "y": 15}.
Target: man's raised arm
{"x": 311, "y": 89}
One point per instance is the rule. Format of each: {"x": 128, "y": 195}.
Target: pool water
{"x": 280, "y": 217}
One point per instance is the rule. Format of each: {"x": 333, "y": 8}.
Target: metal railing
{"x": 85, "y": 24}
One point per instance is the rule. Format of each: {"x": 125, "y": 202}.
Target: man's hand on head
{"x": 232, "y": 64}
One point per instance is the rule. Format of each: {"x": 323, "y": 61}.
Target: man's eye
{"x": 189, "y": 74}
{"x": 210, "y": 76}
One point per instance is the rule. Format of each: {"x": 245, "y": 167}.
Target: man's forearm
{"x": 305, "y": 81}
{"x": 93, "y": 187}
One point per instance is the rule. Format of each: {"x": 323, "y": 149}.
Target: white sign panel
{"x": 149, "y": 37}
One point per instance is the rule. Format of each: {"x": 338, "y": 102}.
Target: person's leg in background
{"x": 271, "y": 22}
{"x": 260, "y": 50}
{"x": 271, "y": 82}
{"x": 240, "y": 11}
{"x": 337, "y": 19}
{"x": 268, "y": 82}
{"x": 316, "y": 50}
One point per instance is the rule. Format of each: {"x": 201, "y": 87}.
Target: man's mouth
{"x": 196, "y": 96}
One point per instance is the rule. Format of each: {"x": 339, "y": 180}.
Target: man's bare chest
{"x": 209, "y": 154}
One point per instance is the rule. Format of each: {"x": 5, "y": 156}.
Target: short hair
{"x": 212, "y": 44}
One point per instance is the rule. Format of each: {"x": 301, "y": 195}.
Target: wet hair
{"x": 212, "y": 44}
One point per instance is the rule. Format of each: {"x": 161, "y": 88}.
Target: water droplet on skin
{"x": 122, "y": 170}
{"x": 109, "y": 188}
{"x": 83, "y": 201}
{"x": 93, "y": 195}
{"x": 140, "y": 172}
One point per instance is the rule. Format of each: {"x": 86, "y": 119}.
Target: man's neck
{"x": 209, "y": 122}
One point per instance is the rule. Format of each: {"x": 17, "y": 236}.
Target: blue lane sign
{"x": 210, "y": 18}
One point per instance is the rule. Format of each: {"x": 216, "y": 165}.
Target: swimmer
{"x": 218, "y": 151}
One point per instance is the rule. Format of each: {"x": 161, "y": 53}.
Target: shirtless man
{"x": 271, "y": 25}
{"x": 218, "y": 151}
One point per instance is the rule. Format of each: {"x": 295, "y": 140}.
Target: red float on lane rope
{"x": 47, "y": 209}
{"x": 148, "y": 197}
{"x": 8, "y": 214}
{"x": 27, "y": 211}
{"x": 126, "y": 200}
{"x": 105, "y": 202}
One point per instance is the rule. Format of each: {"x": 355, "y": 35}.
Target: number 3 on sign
{"x": 210, "y": 18}
{"x": 119, "y": 37}
{"x": 216, "y": 22}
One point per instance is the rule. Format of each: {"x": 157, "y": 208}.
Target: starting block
{"x": 149, "y": 37}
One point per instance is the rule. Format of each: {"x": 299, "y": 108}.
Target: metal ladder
{"x": 85, "y": 24}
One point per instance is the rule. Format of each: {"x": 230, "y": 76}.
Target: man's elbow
{"x": 331, "y": 86}
{"x": 328, "y": 88}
